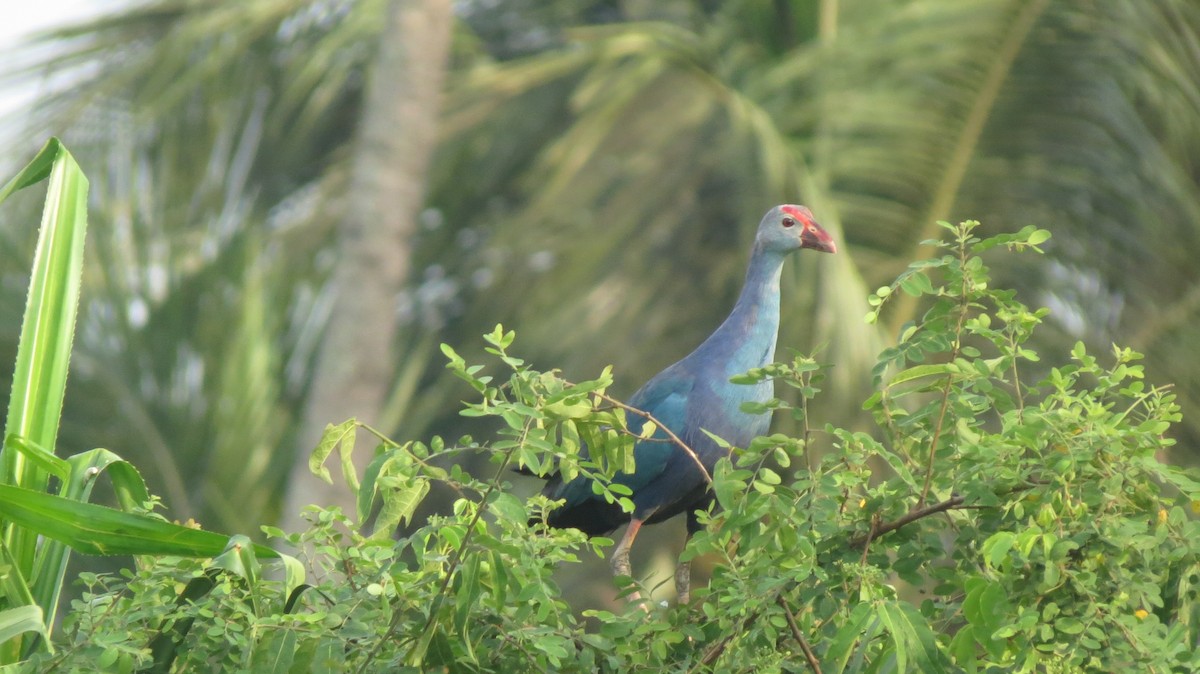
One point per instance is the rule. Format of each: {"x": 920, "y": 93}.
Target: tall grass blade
{"x": 44, "y": 350}
{"x": 98, "y": 530}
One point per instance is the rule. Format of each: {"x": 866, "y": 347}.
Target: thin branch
{"x": 674, "y": 438}
{"x": 871, "y": 533}
{"x": 1016, "y": 377}
{"x": 876, "y": 531}
{"x": 719, "y": 648}
{"x": 455, "y": 562}
{"x": 806, "y": 379}
{"x": 711, "y": 655}
{"x": 937, "y": 434}
{"x": 799, "y": 636}
{"x": 964, "y": 306}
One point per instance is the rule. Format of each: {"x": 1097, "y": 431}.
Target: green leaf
{"x": 1079, "y": 351}
{"x": 47, "y": 330}
{"x": 239, "y": 559}
{"x": 98, "y": 530}
{"x": 920, "y": 371}
{"x": 910, "y": 633}
{"x": 1038, "y": 236}
{"x": 768, "y": 476}
{"x": 648, "y": 430}
{"x": 1068, "y": 625}
{"x": 86, "y": 467}
{"x": 508, "y": 507}
{"x": 44, "y": 458}
{"x": 986, "y": 608}
{"x": 963, "y": 649}
{"x": 48, "y": 327}
{"x": 368, "y": 490}
{"x": 275, "y": 652}
{"x": 562, "y": 409}
{"x": 334, "y": 437}
{"x": 22, "y": 619}
{"x": 329, "y": 657}
{"x": 995, "y": 548}
{"x": 916, "y": 284}
{"x": 164, "y": 646}
{"x": 863, "y": 624}
{"x": 82, "y": 472}
{"x": 15, "y": 590}
{"x": 43, "y": 355}
{"x": 400, "y": 503}
{"x": 894, "y": 623}
{"x": 469, "y": 590}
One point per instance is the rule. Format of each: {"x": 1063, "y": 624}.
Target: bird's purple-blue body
{"x": 695, "y": 395}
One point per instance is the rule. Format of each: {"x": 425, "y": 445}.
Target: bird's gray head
{"x": 789, "y": 227}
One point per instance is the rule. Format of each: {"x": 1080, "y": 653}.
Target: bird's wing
{"x": 665, "y": 397}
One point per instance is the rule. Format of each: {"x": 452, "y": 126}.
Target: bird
{"x": 672, "y": 470}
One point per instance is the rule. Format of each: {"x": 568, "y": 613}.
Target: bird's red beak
{"x": 816, "y": 238}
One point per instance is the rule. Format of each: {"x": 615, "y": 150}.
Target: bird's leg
{"x": 683, "y": 582}
{"x": 683, "y": 570}
{"x": 620, "y": 557}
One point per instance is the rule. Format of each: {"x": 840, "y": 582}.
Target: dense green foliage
{"x": 599, "y": 160}
{"x": 1007, "y": 515}
{"x": 219, "y": 137}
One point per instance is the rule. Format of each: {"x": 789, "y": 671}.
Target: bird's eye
{"x": 789, "y": 222}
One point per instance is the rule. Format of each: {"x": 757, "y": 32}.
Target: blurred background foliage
{"x": 599, "y": 172}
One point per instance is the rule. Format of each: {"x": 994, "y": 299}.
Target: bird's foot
{"x": 620, "y": 559}
{"x": 621, "y": 567}
{"x": 620, "y": 563}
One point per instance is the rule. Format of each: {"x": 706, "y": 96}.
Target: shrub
{"x": 1003, "y": 515}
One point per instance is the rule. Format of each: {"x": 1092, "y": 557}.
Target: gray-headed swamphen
{"x": 693, "y": 394}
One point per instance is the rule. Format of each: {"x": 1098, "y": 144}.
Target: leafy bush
{"x": 1005, "y": 515}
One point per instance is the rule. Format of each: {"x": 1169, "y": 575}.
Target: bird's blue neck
{"x": 747, "y": 337}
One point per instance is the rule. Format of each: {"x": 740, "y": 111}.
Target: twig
{"x": 791, "y": 621}
{"x": 806, "y": 379}
{"x": 913, "y": 515}
{"x": 674, "y": 438}
{"x": 715, "y": 652}
{"x": 871, "y": 533}
{"x": 937, "y": 434}
{"x": 455, "y": 562}
{"x": 1016, "y": 376}
{"x": 719, "y": 648}
{"x": 877, "y": 530}
{"x": 964, "y": 306}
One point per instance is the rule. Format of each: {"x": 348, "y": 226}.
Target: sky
{"x": 27, "y": 18}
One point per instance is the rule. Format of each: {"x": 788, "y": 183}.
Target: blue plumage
{"x": 694, "y": 394}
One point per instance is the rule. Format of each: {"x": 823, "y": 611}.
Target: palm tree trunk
{"x": 387, "y": 189}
